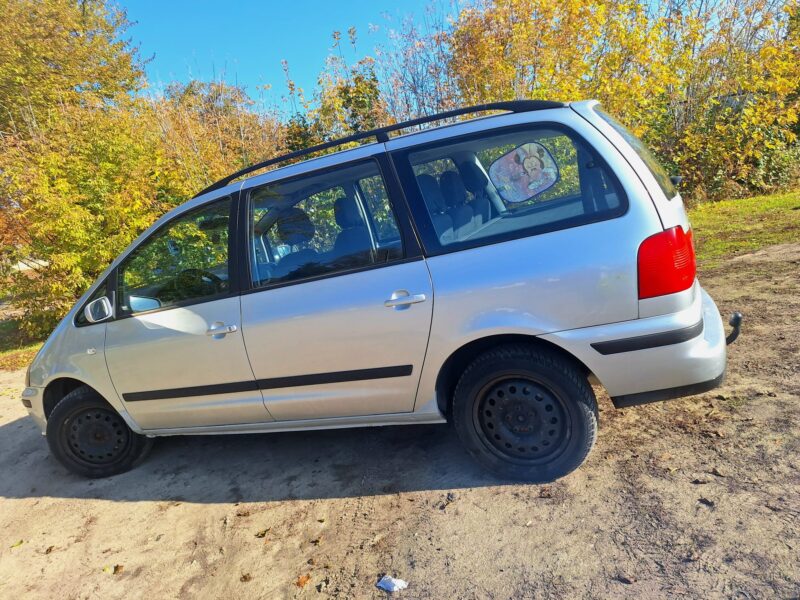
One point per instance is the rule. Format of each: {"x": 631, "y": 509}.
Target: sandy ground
{"x": 697, "y": 497}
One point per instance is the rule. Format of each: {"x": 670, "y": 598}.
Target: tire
{"x": 89, "y": 437}
{"x": 525, "y": 413}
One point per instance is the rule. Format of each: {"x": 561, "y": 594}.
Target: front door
{"x": 337, "y": 322}
{"x": 175, "y": 351}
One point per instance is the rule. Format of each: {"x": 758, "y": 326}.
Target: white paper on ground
{"x": 390, "y": 584}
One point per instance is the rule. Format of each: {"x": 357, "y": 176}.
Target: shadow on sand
{"x": 253, "y": 468}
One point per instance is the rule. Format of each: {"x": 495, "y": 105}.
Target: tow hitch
{"x": 735, "y": 322}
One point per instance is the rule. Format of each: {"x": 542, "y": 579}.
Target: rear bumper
{"x": 654, "y": 358}
{"x": 667, "y": 394}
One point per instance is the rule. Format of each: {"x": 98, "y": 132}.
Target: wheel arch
{"x": 455, "y": 364}
{"x": 58, "y": 388}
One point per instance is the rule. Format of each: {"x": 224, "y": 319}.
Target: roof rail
{"x": 382, "y": 134}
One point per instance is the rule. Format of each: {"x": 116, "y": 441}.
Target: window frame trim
{"x": 412, "y": 250}
{"x": 422, "y": 218}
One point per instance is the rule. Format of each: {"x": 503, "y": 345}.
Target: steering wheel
{"x": 203, "y": 275}
{"x": 192, "y": 277}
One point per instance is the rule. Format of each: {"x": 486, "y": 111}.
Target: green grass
{"x": 16, "y": 349}
{"x": 730, "y": 227}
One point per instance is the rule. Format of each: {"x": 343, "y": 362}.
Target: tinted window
{"x": 649, "y": 159}
{"x": 184, "y": 261}
{"x": 321, "y": 223}
{"x": 508, "y": 183}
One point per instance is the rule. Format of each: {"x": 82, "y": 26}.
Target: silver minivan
{"x": 485, "y": 272}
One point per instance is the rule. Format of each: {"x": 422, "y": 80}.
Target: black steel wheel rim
{"x": 522, "y": 420}
{"x": 96, "y": 436}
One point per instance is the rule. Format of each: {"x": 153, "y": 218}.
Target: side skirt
{"x": 414, "y": 418}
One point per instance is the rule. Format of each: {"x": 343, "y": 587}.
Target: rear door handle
{"x": 219, "y": 330}
{"x": 401, "y": 299}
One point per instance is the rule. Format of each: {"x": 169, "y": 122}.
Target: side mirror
{"x": 98, "y": 310}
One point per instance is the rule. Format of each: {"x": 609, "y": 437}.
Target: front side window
{"x": 184, "y": 261}
{"x": 321, "y": 223}
{"x": 508, "y": 183}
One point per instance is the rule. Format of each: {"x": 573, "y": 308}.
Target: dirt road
{"x": 697, "y": 497}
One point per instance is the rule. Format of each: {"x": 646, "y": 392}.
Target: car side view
{"x": 485, "y": 272}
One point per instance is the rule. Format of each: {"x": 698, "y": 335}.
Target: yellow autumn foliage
{"x": 89, "y": 157}
{"x": 711, "y": 86}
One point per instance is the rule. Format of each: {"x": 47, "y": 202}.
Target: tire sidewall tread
{"x": 559, "y": 374}
{"x": 85, "y": 397}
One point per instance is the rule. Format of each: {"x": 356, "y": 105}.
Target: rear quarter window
{"x": 507, "y": 183}
{"x": 656, "y": 168}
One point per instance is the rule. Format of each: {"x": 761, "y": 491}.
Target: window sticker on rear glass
{"x": 524, "y": 172}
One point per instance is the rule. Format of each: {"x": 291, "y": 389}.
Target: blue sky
{"x": 244, "y": 42}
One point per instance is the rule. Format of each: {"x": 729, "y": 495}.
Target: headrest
{"x": 346, "y": 212}
{"x": 474, "y": 178}
{"x": 431, "y": 192}
{"x": 455, "y": 194}
{"x": 294, "y": 227}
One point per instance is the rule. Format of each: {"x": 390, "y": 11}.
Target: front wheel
{"x": 525, "y": 413}
{"x": 89, "y": 437}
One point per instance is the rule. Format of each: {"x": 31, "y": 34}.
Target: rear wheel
{"x": 525, "y": 413}
{"x": 89, "y": 437}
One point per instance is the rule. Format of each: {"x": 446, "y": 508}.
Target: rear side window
{"x": 508, "y": 183}
{"x": 649, "y": 159}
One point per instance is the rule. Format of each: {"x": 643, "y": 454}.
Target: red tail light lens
{"x": 666, "y": 263}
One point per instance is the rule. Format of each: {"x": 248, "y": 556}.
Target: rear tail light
{"x": 666, "y": 263}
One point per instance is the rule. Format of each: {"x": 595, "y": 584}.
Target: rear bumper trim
{"x": 651, "y": 340}
{"x": 667, "y": 394}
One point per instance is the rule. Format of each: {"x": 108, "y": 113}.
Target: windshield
{"x": 649, "y": 159}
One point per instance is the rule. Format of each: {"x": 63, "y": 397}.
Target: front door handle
{"x": 401, "y": 300}
{"x": 219, "y": 330}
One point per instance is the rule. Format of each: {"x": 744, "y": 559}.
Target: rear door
{"x": 175, "y": 351}
{"x": 337, "y": 319}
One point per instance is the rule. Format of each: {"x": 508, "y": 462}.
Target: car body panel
{"x": 675, "y": 365}
{"x": 427, "y": 415}
{"x": 74, "y": 353}
{"x": 336, "y": 325}
{"x": 169, "y": 350}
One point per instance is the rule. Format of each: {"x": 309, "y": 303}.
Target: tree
{"x": 61, "y": 52}
{"x": 349, "y": 99}
{"x": 211, "y": 129}
{"x": 707, "y": 84}
{"x": 84, "y": 191}
{"x": 65, "y": 76}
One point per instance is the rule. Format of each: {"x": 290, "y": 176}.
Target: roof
{"x": 382, "y": 134}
